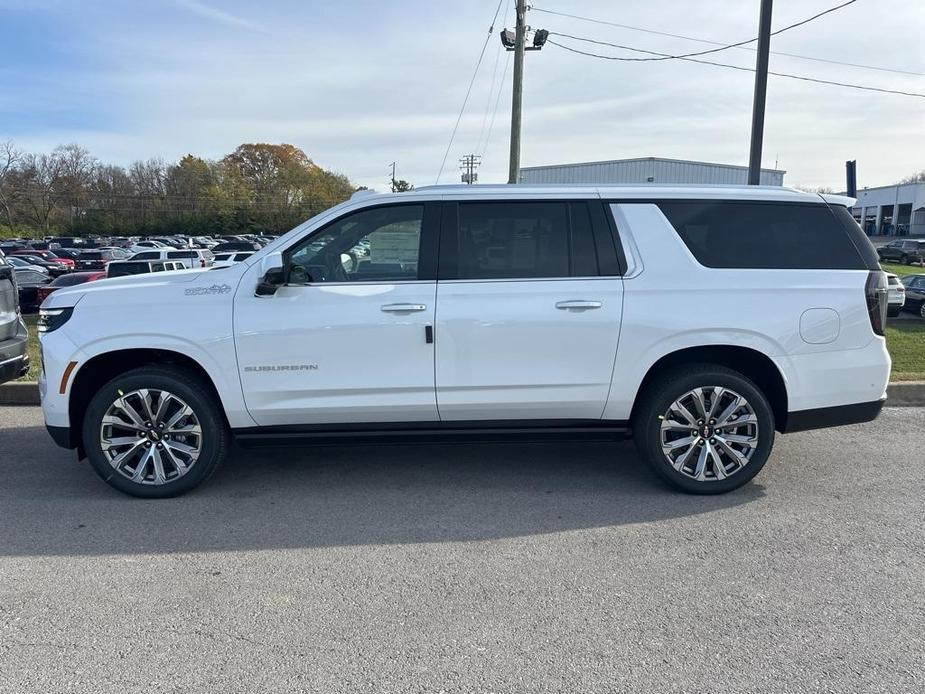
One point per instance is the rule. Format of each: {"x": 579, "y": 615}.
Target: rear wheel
{"x": 155, "y": 432}
{"x": 704, "y": 428}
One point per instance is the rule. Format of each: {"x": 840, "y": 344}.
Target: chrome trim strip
{"x": 634, "y": 266}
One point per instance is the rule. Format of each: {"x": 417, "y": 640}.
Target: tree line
{"x": 258, "y": 188}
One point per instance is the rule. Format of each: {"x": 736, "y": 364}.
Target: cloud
{"x": 220, "y": 16}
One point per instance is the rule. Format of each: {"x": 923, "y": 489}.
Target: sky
{"x": 358, "y": 85}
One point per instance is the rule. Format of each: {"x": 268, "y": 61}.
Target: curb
{"x": 20, "y": 393}
{"x": 899, "y": 394}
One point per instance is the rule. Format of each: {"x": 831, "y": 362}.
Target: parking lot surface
{"x": 468, "y": 568}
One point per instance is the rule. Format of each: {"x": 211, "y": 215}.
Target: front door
{"x": 529, "y": 308}
{"x": 347, "y": 339}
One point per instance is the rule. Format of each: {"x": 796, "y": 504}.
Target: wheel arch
{"x": 105, "y": 366}
{"x": 749, "y": 362}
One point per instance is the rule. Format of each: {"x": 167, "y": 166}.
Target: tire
{"x": 652, "y": 417}
{"x": 922, "y": 310}
{"x": 176, "y": 457}
{"x": 904, "y": 260}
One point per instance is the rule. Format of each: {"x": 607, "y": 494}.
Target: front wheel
{"x": 155, "y": 432}
{"x": 704, "y": 428}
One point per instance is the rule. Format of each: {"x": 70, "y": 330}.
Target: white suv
{"x": 701, "y": 320}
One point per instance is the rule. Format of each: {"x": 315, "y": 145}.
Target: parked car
{"x": 226, "y": 259}
{"x": 147, "y": 245}
{"x": 227, "y": 246}
{"x": 536, "y": 286}
{"x": 48, "y": 256}
{"x": 18, "y": 262}
{"x": 905, "y": 251}
{"x": 14, "y": 337}
{"x": 97, "y": 260}
{"x": 121, "y": 268}
{"x": 54, "y": 267}
{"x": 70, "y": 280}
{"x": 71, "y": 253}
{"x": 915, "y": 294}
{"x": 190, "y": 258}
{"x": 896, "y": 297}
{"x": 28, "y": 281}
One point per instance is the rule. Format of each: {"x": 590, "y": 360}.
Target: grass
{"x": 906, "y": 342}
{"x": 35, "y": 364}
{"x": 902, "y": 269}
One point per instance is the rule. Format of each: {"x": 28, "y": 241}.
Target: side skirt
{"x": 433, "y": 432}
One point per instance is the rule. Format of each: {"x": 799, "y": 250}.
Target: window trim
{"x": 427, "y": 249}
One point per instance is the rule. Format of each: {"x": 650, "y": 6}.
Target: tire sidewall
{"x": 180, "y": 383}
{"x": 647, "y": 427}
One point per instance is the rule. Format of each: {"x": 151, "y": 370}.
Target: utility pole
{"x": 761, "y": 90}
{"x": 520, "y": 38}
{"x": 392, "y": 181}
{"x": 851, "y": 178}
{"x": 468, "y": 164}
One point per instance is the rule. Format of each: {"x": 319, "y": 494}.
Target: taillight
{"x": 875, "y": 292}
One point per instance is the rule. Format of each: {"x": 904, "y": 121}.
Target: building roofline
{"x": 627, "y": 161}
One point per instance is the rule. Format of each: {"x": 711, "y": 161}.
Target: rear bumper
{"x": 14, "y": 360}
{"x": 839, "y": 415}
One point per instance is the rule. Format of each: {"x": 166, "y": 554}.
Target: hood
{"x": 69, "y": 296}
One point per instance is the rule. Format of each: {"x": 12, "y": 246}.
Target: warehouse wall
{"x": 641, "y": 170}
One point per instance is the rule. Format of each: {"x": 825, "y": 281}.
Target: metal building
{"x": 892, "y": 210}
{"x": 647, "y": 170}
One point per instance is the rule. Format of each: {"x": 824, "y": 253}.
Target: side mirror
{"x": 273, "y": 275}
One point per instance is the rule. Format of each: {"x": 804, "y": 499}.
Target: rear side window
{"x": 182, "y": 254}
{"x": 149, "y": 255}
{"x": 764, "y": 235}
{"x": 516, "y": 240}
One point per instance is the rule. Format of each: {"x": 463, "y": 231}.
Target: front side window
{"x": 379, "y": 244}
{"x": 147, "y": 256}
{"x": 519, "y": 240}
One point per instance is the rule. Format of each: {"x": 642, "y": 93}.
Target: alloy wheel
{"x": 150, "y": 436}
{"x": 709, "y": 433}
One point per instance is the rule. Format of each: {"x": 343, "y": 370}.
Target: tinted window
{"x": 182, "y": 254}
{"x": 763, "y": 235}
{"x": 511, "y": 240}
{"x": 90, "y": 256}
{"x": 380, "y": 244}
{"x": 150, "y": 255}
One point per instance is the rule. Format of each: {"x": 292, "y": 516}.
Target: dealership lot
{"x": 488, "y": 568}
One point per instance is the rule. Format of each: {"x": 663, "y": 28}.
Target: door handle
{"x": 580, "y": 305}
{"x": 403, "y": 308}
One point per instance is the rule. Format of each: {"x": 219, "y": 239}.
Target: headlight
{"x": 53, "y": 318}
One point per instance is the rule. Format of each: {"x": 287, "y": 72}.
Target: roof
{"x": 653, "y": 159}
{"x": 648, "y": 191}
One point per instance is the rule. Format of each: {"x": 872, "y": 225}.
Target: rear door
{"x": 529, "y": 305}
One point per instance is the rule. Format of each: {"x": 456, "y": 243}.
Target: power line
{"x": 469, "y": 90}
{"x": 491, "y": 124}
{"x": 742, "y": 43}
{"x": 491, "y": 94}
{"x": 710, "y": 62}
{"x": 720, "y": 43}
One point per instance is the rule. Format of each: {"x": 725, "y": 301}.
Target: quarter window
{"x": 763, "y": 235}
{"x": 379, "y": 244}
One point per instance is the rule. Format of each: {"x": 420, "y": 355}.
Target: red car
{"x": 50, "y": 256}
{"x": 68, "y": 281}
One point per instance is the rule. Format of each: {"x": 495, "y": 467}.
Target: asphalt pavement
{"x": 560, "y": 567}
